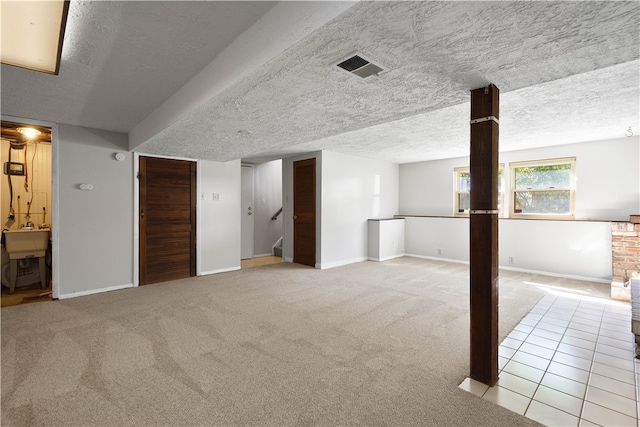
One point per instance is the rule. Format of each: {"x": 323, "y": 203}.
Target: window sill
{"x": 511, "y": 218}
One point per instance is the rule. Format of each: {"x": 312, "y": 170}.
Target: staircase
{"x": 277, "y": 248}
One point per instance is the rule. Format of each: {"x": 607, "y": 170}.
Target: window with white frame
{"x": 543, "y": 189}
{"x": 462, "y": 178}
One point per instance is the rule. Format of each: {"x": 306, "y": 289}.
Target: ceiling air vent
{"x": 360, "y": 66}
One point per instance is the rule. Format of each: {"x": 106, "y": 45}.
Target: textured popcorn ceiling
{"x": 567, "y": 72}
{"x": 436, "y": 53}
{"x": 121, "y": 59}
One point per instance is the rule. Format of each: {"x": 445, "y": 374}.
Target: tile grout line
{"x": 552, "y": 357}
{"x": 576, "y": 309}
{"x": 511, "y": 357}
{"x": 593, "y": 359}
{"x": 554, "y": 352}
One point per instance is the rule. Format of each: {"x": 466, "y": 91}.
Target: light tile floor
{"x": 569, "y": 362}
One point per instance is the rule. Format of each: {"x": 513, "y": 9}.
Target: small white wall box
{"x": 13, "y": 168}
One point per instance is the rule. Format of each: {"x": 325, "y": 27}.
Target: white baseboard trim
{"x": 434, "y": 258}
{"x": 262, "y": 255}
{"x": 340, "y": 263}
{"x": 522, "y": 270}
{"x": 564, "y": 276}
{"x": 287, "y": 259}
{"x": 95, "y": 291}
{"x": 385, "y": 258}
{"x": 222, "y": 270}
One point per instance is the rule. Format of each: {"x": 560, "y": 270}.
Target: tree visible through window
{"x": 543, "y": 188}
{"x": 463, "y": 189}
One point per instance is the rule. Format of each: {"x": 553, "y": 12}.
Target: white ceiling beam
{"x": 283, "y": 26}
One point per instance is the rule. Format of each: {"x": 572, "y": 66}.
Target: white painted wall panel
{"x": 219, "y": 220}
{"x": 351, "y": 196}
{"x": 607, "y": 188}
{"x": 424, "y": 236}
{"x": 577, "y": 249}
{"x": 386, "y": 239}
{"x": 580, "y": 249}
{"x": 95, "y": 250}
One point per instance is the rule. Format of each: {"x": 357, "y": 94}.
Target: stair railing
{"x": 275, "y": 216}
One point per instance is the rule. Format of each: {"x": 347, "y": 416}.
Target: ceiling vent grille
{"x": 360, "y": 66}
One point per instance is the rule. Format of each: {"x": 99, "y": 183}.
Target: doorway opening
{"x": 261, "y": 210}
{"x": 25, "y": 213}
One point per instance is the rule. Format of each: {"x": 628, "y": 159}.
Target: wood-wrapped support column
{"x": 483, "y": 223}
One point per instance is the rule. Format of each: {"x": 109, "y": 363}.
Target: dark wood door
{"x": 167, "y": 219}
{"x": 304, "y": 212}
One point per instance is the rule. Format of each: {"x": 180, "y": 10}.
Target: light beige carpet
{"x": 369, "y": 343}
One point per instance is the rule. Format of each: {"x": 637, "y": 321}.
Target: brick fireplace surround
{"x": 625, "y": 242}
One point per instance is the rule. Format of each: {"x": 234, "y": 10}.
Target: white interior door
{"x": 246, "y": 251}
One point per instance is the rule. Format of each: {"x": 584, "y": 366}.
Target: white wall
{"x": 95, "y": 236}
{"x": 96, "y": 240}
{"x": 607, "y": 188}
{"x": 219, "y": 220}
{"x": 345, "y": 199}
{"x": 576, "y": 249}
{"x": 580, "y": 249}
{"x": 349, "y": 199}
{"x": 426, "y": 188}
{"x": 268, "y": 199}
{"x": 436, "y": 237}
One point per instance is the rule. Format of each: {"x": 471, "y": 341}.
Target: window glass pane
{"x": 464, "y": 187}
{"x": 552, "y": 176}
{"x": 464, "y": 181}
{"x": 543, "y": 202}
{"x": 463, "y": 202}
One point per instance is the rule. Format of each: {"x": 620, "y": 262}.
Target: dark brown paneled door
{"x": 304, "y": 212}
{"x": 167, "y": 220}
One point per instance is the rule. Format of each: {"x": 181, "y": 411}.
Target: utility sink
{"x": 26, "y": 243}
{"x": 29, "y": 244}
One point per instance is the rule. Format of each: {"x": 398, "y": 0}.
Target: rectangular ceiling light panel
{"x": 32, "y": 33}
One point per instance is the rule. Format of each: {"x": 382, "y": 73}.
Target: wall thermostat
{"x": 119, "y": 157}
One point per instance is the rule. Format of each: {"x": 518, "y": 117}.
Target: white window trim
{"x": 547, "y": 162}
{"x": 457, "y": 192}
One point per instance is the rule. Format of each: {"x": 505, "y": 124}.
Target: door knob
{"x": 295, "y": 217}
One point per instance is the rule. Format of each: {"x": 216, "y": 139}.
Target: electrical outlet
{"x": 439, "y": 251}
{"x": 511, "y": 260}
